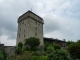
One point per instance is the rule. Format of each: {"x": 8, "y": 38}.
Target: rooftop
{"x": 30, "y": 12}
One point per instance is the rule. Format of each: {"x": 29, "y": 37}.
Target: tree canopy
{"x": 57, "y": 46}
{"x": 74, "y": 50}
{"x": 32, "y": 42}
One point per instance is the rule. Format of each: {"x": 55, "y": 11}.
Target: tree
{"x": 26, "y": 48}
{"x": 59, "y": 55}
{"x": 20, "y": 44}
{"x": 1, "y": 55}
{"x": 69, "y": 42}
{"x": 57, "y": 46}
{"x": 50, "y": 49}
{"x": 78, "y": 41}
{"x": 4, "y": 54}
{"x": 74, "y": 50}
{"x": 32, "y": 42}
{"x": 47, "y": 44}
{"x": 18, "y": 50}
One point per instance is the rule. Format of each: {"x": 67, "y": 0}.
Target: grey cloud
{"x": 50, "y": 24}
{"x": 11, "y": 10}
{"x": 9, "y": 13}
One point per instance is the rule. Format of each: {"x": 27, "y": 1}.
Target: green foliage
{"x": 1, "y": 55}
{"x": 69, "y": 42}
{"x": 20, "y": 44}
{"x": 74, "y": 50}
{"x": 59, "y": 55}
{"x": 26, "y": 48}
{"x": 35, "y": 53}
{"x": 46, "y": 45}
{"x": 78, "y": 41}
{"x": 18, "y": 50}
{"x": 43, "y": 57}
{"x": 50, "y": 49}
{"x": 32, "y": 42}
{"x": 13, "y": 57}
{"x": 57, "y": 46}
{"x": 25, "y": 56}
{"x": 35, "y": 58}
{"x": 4, "y": 54}
{"x": 34, "y": 48}
{"x": 40, "y": 48}
{"x": 39, "y": 57}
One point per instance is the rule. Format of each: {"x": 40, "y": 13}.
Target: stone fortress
{"x": 30, "y": 25}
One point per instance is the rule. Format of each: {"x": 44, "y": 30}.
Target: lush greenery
{"x": 74, "y": 50}
{"x": 32, "y": 51}
{"x": 3, "y": 55}
{"x": 32, "y": 43}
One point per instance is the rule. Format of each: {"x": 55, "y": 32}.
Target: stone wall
{"x": 10, "y": 50}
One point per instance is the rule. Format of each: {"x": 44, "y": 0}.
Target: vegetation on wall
{"x": 32, "y": 51}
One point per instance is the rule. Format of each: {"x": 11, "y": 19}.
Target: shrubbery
{"x": 32, "y": 51}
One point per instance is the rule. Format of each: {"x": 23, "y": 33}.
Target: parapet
{"x": 30, "y": 14}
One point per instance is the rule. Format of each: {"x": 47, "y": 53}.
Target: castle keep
{"x": 30, "y": 25}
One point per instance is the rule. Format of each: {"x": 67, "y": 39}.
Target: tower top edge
{"x": 31, "y": 13}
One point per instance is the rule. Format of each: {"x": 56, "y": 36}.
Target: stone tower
{"x": 30, "y": 25}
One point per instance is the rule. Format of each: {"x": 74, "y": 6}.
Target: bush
{"x": 43, "y": 57}
{"x": 74, "y": 50}
{"x": 11, "y": 57}
{"x": 32, "y": 42}
{"x": 36, "y": 53}
{"x": 34, "y": 48}
{"x": 59, "y": 55}
{"x": 1, "y": 55}
{"x": 26, "y": 48}
{"x": 35, "y": 58}
{"x": 18, "y": 50}
{"x": 57, "y": 46}
{"x": 25, "y": 56}
{"x": 50, "y": 49}
{"x": 20, "y": 44}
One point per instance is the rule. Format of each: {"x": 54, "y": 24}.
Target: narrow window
{"x": 20, "y": 29}
{"x": 24, "y": 35}
{"x": 35, "y": 34}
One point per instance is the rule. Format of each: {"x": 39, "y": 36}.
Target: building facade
{"x": 62, "y": 43}
{"x": 30, "y": 25}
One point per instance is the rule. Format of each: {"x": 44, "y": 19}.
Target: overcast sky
{"x": 61, "y": 18}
